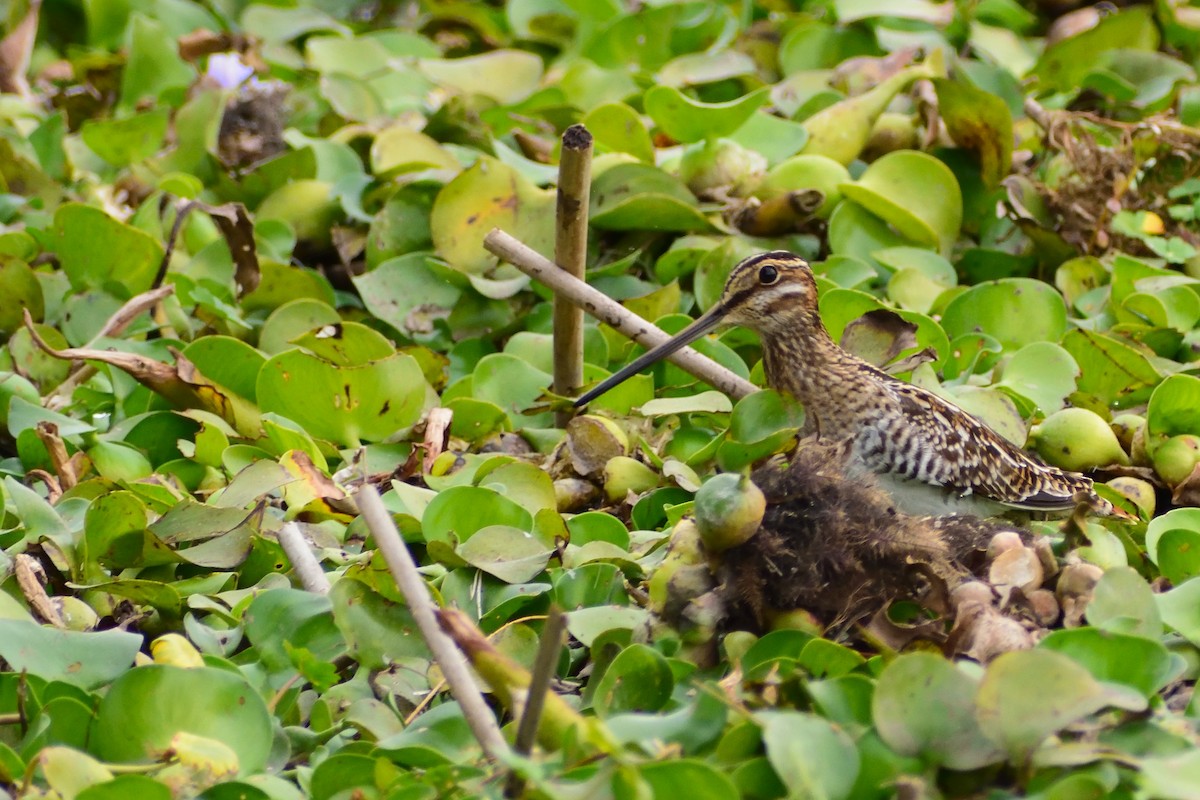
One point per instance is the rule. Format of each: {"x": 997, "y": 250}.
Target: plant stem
{"x": 570, "y": 251}
{"x": 308, "y": 569}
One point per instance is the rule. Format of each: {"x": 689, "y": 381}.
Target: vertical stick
{"x": 570, "y": 251}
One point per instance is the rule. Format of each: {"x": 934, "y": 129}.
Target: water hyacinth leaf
{"x": 1026, "y": 696}
{"x": 94, "y": 248}
{"x": 1064, "y": 66}
{"x": 229, "y": 362}
{"x": 457, "y": 513}
{"x": 508, "y": 553}
{"x": 1015, "y": 311}
{"x": 855, "y": 231}
{"x": 510, "y": 383}
{"x": 506, "y": 76}
{"x": 634, "y": 196}
{"x": 1174, "y": 407}
{"x": 489, "y": 195}
{"x": 697, "y": 779}
{"x": 155, "y": 69}
{"x": 378, "y": 632}
{"x": 1043, "y": 373}
{"x": 281, "y": 618}
{"x": 122, "y": 142}
{"x": 346, "y": 405}
{"x": 925, "y": 706}
{"x": 775, "y": 138}
{"x": 346, "y": 344}
{"x": 1142, "y": 664}
{"x": 399, "y": 149}
{"x": 1178, "y": 555}
{"x": 86, "y": 660}
{"x": 1109, "y": 368}
{"x": 638, "y": 679}
{"x": 589, "y": 623}
{"x": 811, "y": 756}
{"x": 979, "y": 121}
{"x": 703, "y": 402}
{"x": 20, "y": 285}
{"x": 146, "y": 707}
{"x": 687, "y": 120}
{"x": 914, "y": 193}
{"x": 616, "y": 127}
{"x": 1123, "y": 602}
{"x": 525, "y": 484}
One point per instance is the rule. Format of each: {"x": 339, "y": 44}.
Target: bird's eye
{"x": 768, "y": 275}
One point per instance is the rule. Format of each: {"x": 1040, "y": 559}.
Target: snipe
{"x": 887, "y": 425}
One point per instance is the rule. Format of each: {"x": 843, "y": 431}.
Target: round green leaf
{"x": 1016, "y": 311}
{"x": 347, "y": 405}
{"x": 925, "y": 706}
{"x": 506, "y": 76}
{"x": 638, "y": 679}
{"x": 146, "y": 706}
{"x": 489, "y": 195}
{"x": 457, "y": 513}
{"x": 1142, "y": 664}
{"x": 640, "y": 197}
{"x": 1028, "y": 695}
{"x": 812, "y": 757}
{"x": 94, "y": 248}
{"x": 617, "y": 127}
{"x": 914, "y": 193}
{"x": 510, "y": 554}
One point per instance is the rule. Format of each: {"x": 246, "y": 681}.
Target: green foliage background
{"x": 1024, "y": 195}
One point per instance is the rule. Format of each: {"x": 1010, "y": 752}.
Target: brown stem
{"x": 544, "y": 665}
{"x": 570, "y": 251}
{"x": 611, "y": 312}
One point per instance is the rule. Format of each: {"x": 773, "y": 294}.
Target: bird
{"x": 886, "y": 426}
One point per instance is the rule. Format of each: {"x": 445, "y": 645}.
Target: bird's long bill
{"x": 703, "y": 324}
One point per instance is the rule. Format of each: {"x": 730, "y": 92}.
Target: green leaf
{"x": 96, "y": 249}
{"x": 122, "y": 142}
{"x": 1026, "y": 696}
{"x": 914, "y": 193}
{"x": 147, "y": 706}
{"x": 687, "y": 120}
{"x": 638, "y": 196}
{"x": 86, "y": 660}
{"x": 1016, "y": 311}
{"x": 979, "y": 121}
{"x": 812, "y": 757}
{"x": 638, "y": 679}
{"x": 510, "y": 554}
{"x": 489, "y": 195}
{"x": 347, "y": 405}
{"x": 924, "y": 706}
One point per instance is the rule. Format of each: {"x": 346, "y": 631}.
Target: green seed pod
{"x": 1139, "y": 492}
{"x": 1077, "y": 439}
{"x": 721, "y": 165}
{"x": 1175, "y": 458}
{"x": 684, "y": 565}
{"x": 729, "y": 509}
{"x": 623, "y": 475}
